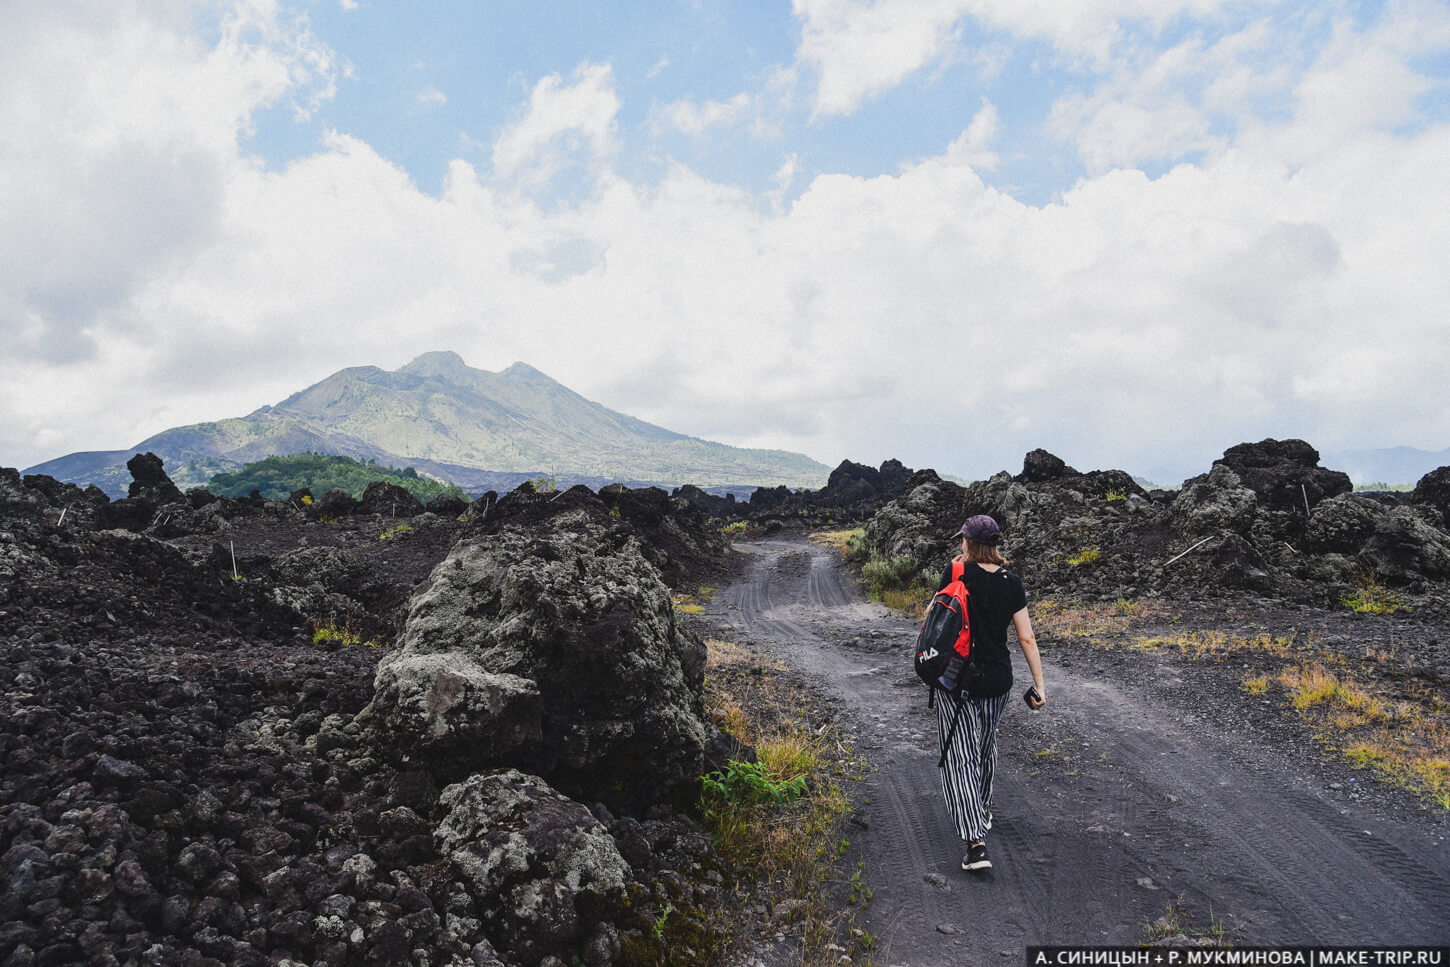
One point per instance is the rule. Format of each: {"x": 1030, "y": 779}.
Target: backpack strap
{"x": 951, "y": 733}
{"x": 959, "y": 568}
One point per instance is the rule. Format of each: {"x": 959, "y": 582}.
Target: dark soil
{"x": 1150, "y": 781}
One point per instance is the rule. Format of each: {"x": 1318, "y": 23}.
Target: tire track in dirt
{"x": 1089, "y": 845}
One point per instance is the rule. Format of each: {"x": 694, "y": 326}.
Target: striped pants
{"x": 966, "y": 782}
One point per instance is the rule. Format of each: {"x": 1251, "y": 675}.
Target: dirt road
{"x": 1109, "y": 805}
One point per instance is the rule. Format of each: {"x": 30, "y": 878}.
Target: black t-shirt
{"x": 995, "y": 597}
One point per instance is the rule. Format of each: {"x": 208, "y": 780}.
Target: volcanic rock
{"x": 556, "y": 592}
{"x": 150, "y": 482}
{"x": 1285, "y": 474}
{"x": 544, "y": 874}
{"x": 673, "y": 532}
{"x": 1215, "y": 503}
{"x": 1405, "y": 548}
{"x": 1433, "y": 491}
{"x": 457, "y": 718}
{"x": 1039, "y": 466}
{"x": 447, "y": 505}
{"x": 388, "y": 500}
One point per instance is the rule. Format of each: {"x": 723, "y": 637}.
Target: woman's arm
{"x": 1022, "y": 622}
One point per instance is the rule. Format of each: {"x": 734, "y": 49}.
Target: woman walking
{"x": 997, "y": 600}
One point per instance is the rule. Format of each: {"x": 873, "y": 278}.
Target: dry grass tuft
{"x": 840, "y": 540}
{"x": 1405, "y": 743}
{"x": 1067, "y": 618}
{"x": 1213, "y": 644}
{"x": 778, "y": 851}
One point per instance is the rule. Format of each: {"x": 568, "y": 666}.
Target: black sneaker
{"x": 976, "y": 858}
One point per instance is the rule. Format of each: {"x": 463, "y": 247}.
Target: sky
{"x": 1132, "y": 232}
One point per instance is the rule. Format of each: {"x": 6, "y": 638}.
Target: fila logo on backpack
{"x": 945, "y": 634}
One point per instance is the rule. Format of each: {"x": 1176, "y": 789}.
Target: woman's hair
{"x": 983, "y": 553}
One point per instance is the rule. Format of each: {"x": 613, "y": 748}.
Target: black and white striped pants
{"x": 966, "y": 782}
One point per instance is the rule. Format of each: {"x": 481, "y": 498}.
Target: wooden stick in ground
{"x": 1195, "y": 547}
{"x": 1307, "y": 511}
{"x": 233, "y": 544}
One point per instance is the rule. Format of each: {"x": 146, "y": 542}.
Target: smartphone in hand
{"x": 1033, "y": 698}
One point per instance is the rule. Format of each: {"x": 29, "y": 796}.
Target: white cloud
{"x": 695, "y": 119}
{"x": 974, "y": 146}
{"x": 783, "y": 180}
{"x": 129, "y": 127}
{"x": 432, "y": 97}
{"x": 562, "y": 121}
{"x": 859, "y": 50}
{"x": 1287, "y": 282}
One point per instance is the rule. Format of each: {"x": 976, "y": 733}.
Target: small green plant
{"x": 657, "y": 928}
{"x": 1177, "y": 922}
{"x": 735, "y": 528}
{"x": 1088, "y": 555}
{"x": 1372, "y": 597}
{"x": 860, "y": 892}
{"x": 686, "y": 604}
{"x": 545, "y": 484}
{"x": 392, "y": 532}
{"x": 1113, "y": 495}
{"x": 752, "y": 782}
{"x": 340, "y": 636}
{"x": 307, "y": 500}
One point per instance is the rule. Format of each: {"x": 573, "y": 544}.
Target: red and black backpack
{"x": 946, "y": 632}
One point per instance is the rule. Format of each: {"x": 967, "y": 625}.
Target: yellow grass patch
{"x": 1066, "y": 618}
{"x": 1404, "y": 743}
{"x": 1200, "y": 644}
{"x": 837, "y": 539}
{"x": 686, "y": 604}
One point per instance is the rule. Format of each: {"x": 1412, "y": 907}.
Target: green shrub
{"x": 1372, "y": 597}
{"x": 277, "y": 477}
{"x": 751, "y": 782}
{"x": 889, "y": 574}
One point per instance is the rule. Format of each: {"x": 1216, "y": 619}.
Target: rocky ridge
{"x": 191, "y": 777}
{"x": 1265, "y": 520}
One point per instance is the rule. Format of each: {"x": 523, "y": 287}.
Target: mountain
{"x": 1391, "y": 465}
{"x": 477, "y": 429}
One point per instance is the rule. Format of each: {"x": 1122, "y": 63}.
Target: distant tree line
{"x": 278, "y": 477}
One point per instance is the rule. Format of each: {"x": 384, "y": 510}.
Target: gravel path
{"x": 1116, "y": 801}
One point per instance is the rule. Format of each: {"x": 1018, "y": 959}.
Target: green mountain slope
{"x": 468, "y": 426}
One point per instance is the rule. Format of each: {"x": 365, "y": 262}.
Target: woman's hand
{"x": 1037, "y": 698}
